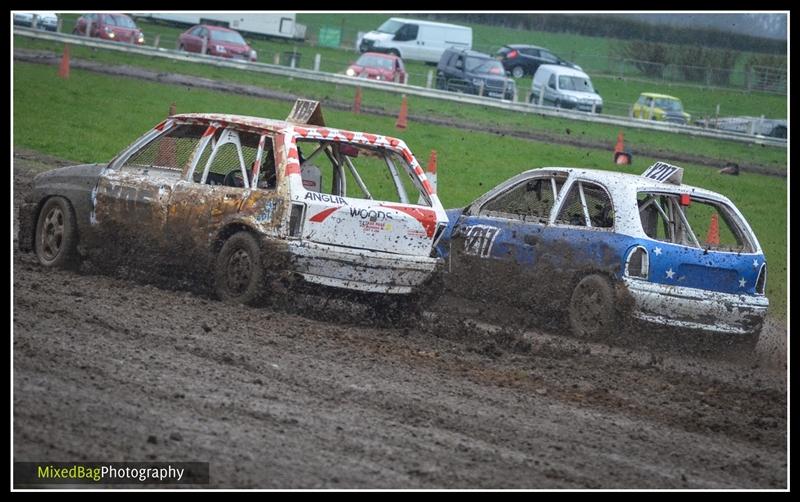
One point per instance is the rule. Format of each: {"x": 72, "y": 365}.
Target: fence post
{"x": 157, "y": 40}
{"x": 716, "y": 118}
{"x": 541, "y": 96}
{"x": 429, "y": 82}
{"x": 204, "y": 47}
{"x": 277, "y": 59}
{"x": 652, "y": 109}
{"x": 60, "y": 25}
{"x": 630, "y": 111}
{"x": 89, "y": 28}
{"x": 480, "y": 89}
{"x": 317, "y": 60}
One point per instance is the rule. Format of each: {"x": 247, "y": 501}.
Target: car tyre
{"x": 518, "y": 72}
{"x": 239, "y": 271}
{"x": 592, "y": 308}
{"x": 557, "y": 104}
{"x": 57, "y": 235}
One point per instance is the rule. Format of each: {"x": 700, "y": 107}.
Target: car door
{"x": 132, "y": 195}
{"x": 406, "y": 39}
{"x": 212, "y": 190}
{"x": 495, "y": 247}
{"x": 531, "y": 59}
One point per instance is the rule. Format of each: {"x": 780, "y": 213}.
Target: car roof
{"x": 657, "y": 95}
{"x": 611, "y": 178}
{"x": 258, "y": 123}
{"x": 563, "y": 70}
{"x": 470, "y": 52}
{"x": 525, "y": 46}
{"x": 213, "y": 27}
{"x": 429, "y": 23}
{"x": 379, "y": 54}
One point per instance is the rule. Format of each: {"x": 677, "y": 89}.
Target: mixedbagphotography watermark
{"x": 100, "y": 473}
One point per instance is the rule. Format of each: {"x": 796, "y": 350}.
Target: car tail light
{"x": 638, "y": 263}
{"x": 512, "y": 54}
{"x": 761, "y": 282}
{"x": 296, "y": 220}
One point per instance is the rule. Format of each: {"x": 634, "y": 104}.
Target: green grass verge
{"x": 668, "y": 142}
{"x": 619, "y": 94}
{"x": 84, "y": 119}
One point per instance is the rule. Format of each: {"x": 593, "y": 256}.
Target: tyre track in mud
{"x": 570, "y": 136}
{"x": 111, "y": 369}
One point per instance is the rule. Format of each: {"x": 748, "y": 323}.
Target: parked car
{"x": 41, "y": 20}
{"x": 114, "y": 27}
{"x": 378, "y": 66}
{"x": 760, "y": 126}
{"x": 47, "y": 21}
{"x": 472, "y": 72}
{"x": 523, "y": 60}
{"x": 599, "y": 247}
{"x": 654, "y": 106}
{"x": 564, "y": 87}
{"x": 246, "y": 202}
{"x": 416, "y": 40}
{"x": 222, "y": 42}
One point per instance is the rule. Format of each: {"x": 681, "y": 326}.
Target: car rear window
{"x": 691, "y": 221}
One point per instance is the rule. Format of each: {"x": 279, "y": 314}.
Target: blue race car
{"x": 605, "y": 247}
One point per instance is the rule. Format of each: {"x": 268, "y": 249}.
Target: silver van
{"x": 416, "y": 40}
{"x": 564, "y": 87}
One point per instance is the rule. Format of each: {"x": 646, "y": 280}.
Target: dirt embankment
{"x": 570, "y": 136}
{"x": 110, "y": 369}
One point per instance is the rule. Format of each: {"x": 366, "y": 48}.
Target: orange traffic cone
{"x": 402, "y": 119}
{"x": 357, "y": 101}
{"x": 713, "y": 231}
{"x": 431, "y": 174}
{"x": 63, "y": 69}
{"x": 621, "y": 157}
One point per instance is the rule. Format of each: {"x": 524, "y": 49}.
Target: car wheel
{"x": 557, "y": 104}
{"x": 239, "y": 274}
{"x": 592, "y": 312}
{"x": 57, "y": 235}
{"x": 518, "y": 72}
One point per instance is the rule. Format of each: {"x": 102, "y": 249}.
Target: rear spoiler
{"x": 306, "y": 112}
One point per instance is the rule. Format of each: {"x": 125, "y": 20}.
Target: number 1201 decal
{"x": 479, "y": 240}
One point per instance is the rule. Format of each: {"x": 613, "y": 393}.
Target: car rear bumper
{"x": 691, "y": 308}
{"x": 359, "y": 269}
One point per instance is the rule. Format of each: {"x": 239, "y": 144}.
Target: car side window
{"x": 196, "y": 31}
{"x": 227, "y": 158}
{"x": 531, "y": 52}
{"x": 531, "y": 200}
{"x": 459, "y": 64}
{"x": 587, "y": 205}
{"x": 407, "y": 32}
{"x": 167, "y": 154}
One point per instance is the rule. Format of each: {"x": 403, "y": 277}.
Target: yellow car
{"x": 654, "y": 106}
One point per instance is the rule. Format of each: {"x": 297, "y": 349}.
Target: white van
{"x": 565, "y": 87}
{"x": 418, "y": 40}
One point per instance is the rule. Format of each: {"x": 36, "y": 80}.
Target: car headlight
{"x": 220, "y": 48}
{"x": 253, "y": 54}
{"x": 572, "y": 99}
{"x": 350, "y": 72}
{"x": 140, "y": 39}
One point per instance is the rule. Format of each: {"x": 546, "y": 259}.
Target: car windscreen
{"x": 484, "y": 65}
{"x": 122, "y": 21}
{"x": 669, "y": 105}
{"x": 390, "y": 26}
{"x": 572, "y": 83}
{"x": 375, "y": 62}
{"x": 227, "y": 36}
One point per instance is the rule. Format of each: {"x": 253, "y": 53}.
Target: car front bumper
{"x": 697, "y": 309}
{"x": 359, "y": 269}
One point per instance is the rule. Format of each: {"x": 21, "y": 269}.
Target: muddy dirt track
{"x": 110, "y": 369}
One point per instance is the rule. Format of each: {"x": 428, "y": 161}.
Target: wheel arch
{"x": 227, "y": 231}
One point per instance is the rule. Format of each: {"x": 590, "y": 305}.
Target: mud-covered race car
{"x": 244, "y": 202}
{"x": 604, "y": 247}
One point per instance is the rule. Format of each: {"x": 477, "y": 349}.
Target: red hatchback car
{"x": 378, "y": 66}
{"x": 221, "y": 42}
{"x": 114, "y": 27}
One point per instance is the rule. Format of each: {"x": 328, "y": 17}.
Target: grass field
{"x": 85, "y": 120}
{"x": 618, "y": 94}
{"x": 716, "y": 149}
